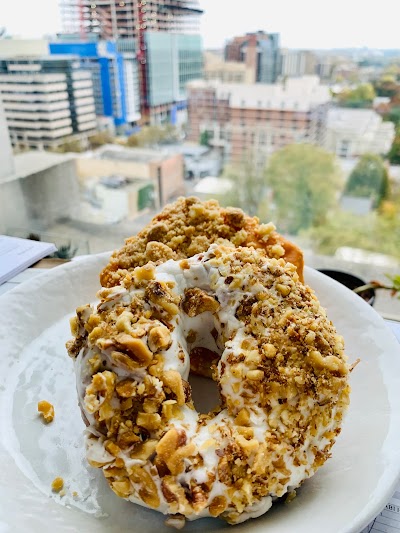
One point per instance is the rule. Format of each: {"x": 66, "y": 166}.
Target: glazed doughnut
{"x": 280, "y": 368}
{"x": 189, "y": 227}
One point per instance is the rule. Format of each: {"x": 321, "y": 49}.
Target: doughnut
{"x": 279, "y": 365}
{"x": 189, "y": 227}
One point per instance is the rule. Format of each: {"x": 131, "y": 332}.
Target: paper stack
{"x": 18, "y": 254}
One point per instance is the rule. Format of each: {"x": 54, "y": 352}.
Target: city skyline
{"x": 348, "y": 25}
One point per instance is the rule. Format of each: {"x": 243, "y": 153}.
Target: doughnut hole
{"x": 201, "y": 338}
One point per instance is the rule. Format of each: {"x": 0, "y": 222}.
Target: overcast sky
{"x": 301, "y": 23}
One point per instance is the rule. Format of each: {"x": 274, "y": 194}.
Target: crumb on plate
{"x": 46, "y": 409}
{"x": 57, "y": 485}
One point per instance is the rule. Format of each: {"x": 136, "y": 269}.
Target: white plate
{"x": 342, "y": 497}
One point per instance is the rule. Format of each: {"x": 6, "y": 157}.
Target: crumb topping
{"x": 277, "y": 359}
{"x": 189, "y": 227}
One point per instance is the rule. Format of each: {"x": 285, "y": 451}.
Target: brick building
{"x": 258, "y": 119}
{"x": 259, "y": 52}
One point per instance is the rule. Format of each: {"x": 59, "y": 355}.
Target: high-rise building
{"x": 253, "y": 120}
{"x": 295, "y": 63}
{"x": 165, "y": 33}
{"x": 172, "y": 61}
{"x": 46, "y": 99}
{"x": 259, "y": 51}
{"x": 115, "y": 19}
{"x": 115, "y": 76}
{"x": 7, "y": 166}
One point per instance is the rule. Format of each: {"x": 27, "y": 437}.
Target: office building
{"x": 353, "y": 132}
{"x": 257, "y": 119}
{"x": 115, "y": 76}
{"x": 260, "y": 53}
{"x": 295, "y": 63}
{"x": 167, "y": 44}
{"x": 172, "y": 61}
{"x": 46, "y": 99}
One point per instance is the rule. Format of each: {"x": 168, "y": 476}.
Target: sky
{"x": 301, "y": 23}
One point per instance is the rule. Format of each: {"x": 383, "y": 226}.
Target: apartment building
{"x": 115, "y": 74}
{"x": 353, "y": 132}
{"x": 46, "y": 100}
{"x": 295, "y": 63}
{"x": 257, "y": 119}
{"x": 259, "y": 52}
{"x": 217, "y": 69}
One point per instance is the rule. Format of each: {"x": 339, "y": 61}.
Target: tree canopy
{"x": 374, "y": 232}
{"x": 249, "y": 185}
{"x": 305, "y": 182}
{"x": 394, "y": 152}
{"x": 369, "y": 179}
{"x": 361, "y": 96}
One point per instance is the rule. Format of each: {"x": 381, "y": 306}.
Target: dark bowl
{"x": 351, "y": 282}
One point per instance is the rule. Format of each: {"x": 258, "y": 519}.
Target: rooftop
{"x": 138, "y": 155}
{"x": 35, "y": 161}
{"x": 357, "y": 120}
{"x": 296, "y": 94}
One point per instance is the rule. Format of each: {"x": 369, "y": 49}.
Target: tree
{"x": 361, "y": 96}
{"x": 249, "y": 185}
{"x": 100, "y": 139}
{"x": 369, "y": 179}
{"x": 374, "y": 232}
{"x": 394, "y": 152}
{"x": 305, "y": 182}
{"x": 153, "y": 135}
{"x": 204, "y": 138}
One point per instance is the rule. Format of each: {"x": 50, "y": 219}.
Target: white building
{"x": 296, "y": 63}
{"x": 46, "y": 99}
{"x": 353, "y": 132}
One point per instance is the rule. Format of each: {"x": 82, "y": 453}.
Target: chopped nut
{"x": 46, "y": 409}
{"x": 150, "y": 421}
{"x": 173, "y": 380}
{"x": 144, "y": 450}
{"x": 57, "y": 484}
{"x": 148, "y": 490}
{"x": 242, "y": 418}
{"x": 122, "y": 488}
{"x": 172, "y": 450}
{"x": 135, "y": 348}
{"x": 255, "y": 375}
{"x": 146, "y": 272}
{"x": 218, "y": 506}
{"x": 283, "y": 289}
{"x": 159, "y": 338}
{"x": 197, "y": 301}
{"x": 126, "y": 388}
{"x": 112, "y": 448}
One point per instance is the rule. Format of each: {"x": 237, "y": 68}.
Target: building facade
{"x": 295, "y": 63}
{"x": 172, "y": 61}
{"x": 167, "y": 44}
{"x": 353, "y": 132}
{"x": 258, "y": 119}
{"x": 46, "y": 99}
{"x": 217, "y": 69}
{"x": 115, "y": 75}
{"x": 113, "y": 19}
{"x": 259, "y": 52}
